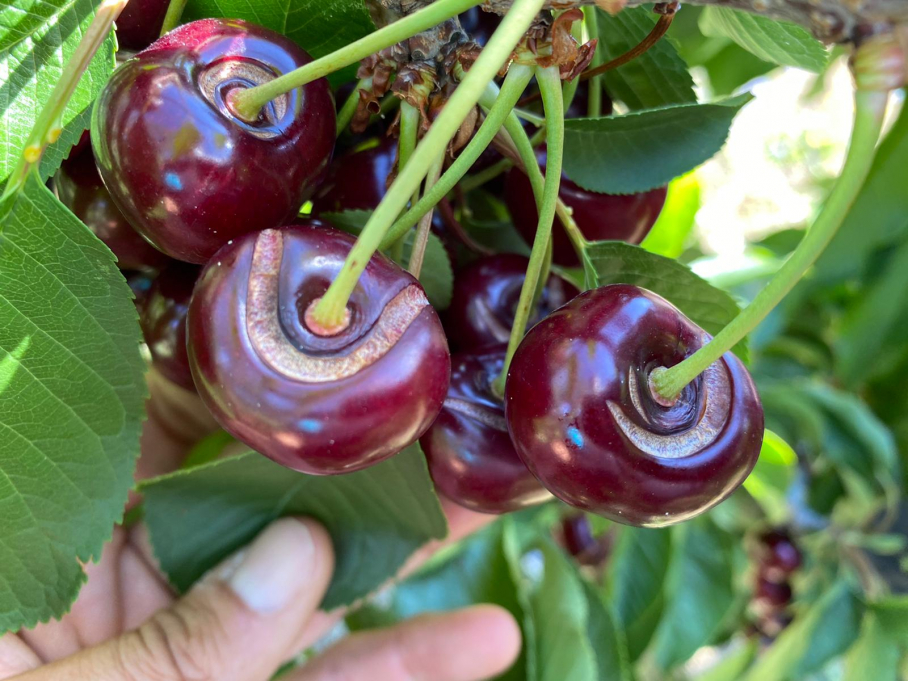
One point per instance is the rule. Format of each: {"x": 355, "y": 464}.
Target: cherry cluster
{"x": 778, "y": 558}
{"x": 201, "y": 205}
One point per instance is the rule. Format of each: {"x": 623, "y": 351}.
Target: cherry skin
{"x": 163, "y": 319}
{"x": 583, "y": 419}
{"x": 314, "y": 403}
{"x": 580, "y": 542}
{"x": 599, "y": 217}
{"x": 770, "y": 595}
{"x": 470, "y": 454}
{"x": 80, "y": 189}
{"x": 181, "y": 166}
{"x": 779, "y": 557}
{"x": 140, "y": 22}
{"x": 485, "y": 298}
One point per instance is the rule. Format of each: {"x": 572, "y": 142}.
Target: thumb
{"x": 239, "y": 623}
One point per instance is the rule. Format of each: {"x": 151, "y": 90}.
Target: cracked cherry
{"x": 485, "y": 298}
{"x": 599, "y": 217}
{"x": 471, "y": 458}
{"x": 163, "y": 319}
{"x": 314, "y": 403}
{"x": 140, "y": 22}
{"x": 187, "y": 172}
{"x": 80, "y": 189}
{"x": 583, "y": 418}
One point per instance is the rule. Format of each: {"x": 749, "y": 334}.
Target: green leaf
{"x": 731, "y": 67}
{"x": 614, "y": 262}
{"x": 669, "y": 235}
{"x": 645, "y": 149}
{"x": 892, "y": 613}
{"x": 607, "y": 640}
{"x": 772, "y": 41}
{"x": 771, "y": 477}
{"x": 377, "y": 517}
{"x": 436, "y": 276}
{"x": 37, "y": 38}
{"x": 827, "y": 629}
{"x": 733, "y": 665}
{"x": 875, "y": 655}
{"x": 72, "y": 391}
{"x": 656, "y": 78}
{"x": 698, "y": 591}
{"x": 634, "y": 582}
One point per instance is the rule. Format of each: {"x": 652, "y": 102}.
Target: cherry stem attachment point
{"x": 870, "y": 107}
{"x": 248, "y": 103}
{"x": 331, "y": 308}
{"x": 553, "y": 103}
{"x": 173, "y": 15}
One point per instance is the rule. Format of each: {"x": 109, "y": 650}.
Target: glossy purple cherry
{"x": 779, "y": 557}
{"x": 80, "y": 189}
{"x": 163, "y": 319}
{"x": 184, "y": 169}
{"x": 314, "y": 403}
{"x": 600, "y": 217}
{"x": 140, "y": 22}
{"x": 485, "y": 298}
{"x": 470, "y": 454}
{"x": 357, "y": 180}
{"x": 584, "y": 420}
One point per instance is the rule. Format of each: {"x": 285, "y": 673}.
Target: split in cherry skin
{"x": 485, "y": 296}
{"x": 471, "y": 457}
{"x": 187, "y": 172}
{"x": 600, "y": 217}
{"x": 319, "y": 404}
{"x": 583, "y": 418}
{"x": 79, "y": 187}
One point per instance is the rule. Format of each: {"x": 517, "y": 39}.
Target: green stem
{"x": 248, "y": 103}
{"x": 476, "y": 180}
{"x": 553, "y": 104}
{"x": 594, "y": 102}
{"x": 345, "y": 115}
{"x": 49, "y": 124}
{"x": 418, "y": 254}
{"x": 868, "y": 121}
{"x": 172, "y": 18}
{"x": 533, "y": 118}
{"x": 409, "y": 132}
{"x": 512, "y": 88}
{"x": 330, "y": 310}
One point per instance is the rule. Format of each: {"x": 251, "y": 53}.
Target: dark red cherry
{"x": 80, "y": 189}
{"x": 163, "y": 319}
{"x": 580, "y": 542}
{"x": 771, "y": 595}
{"x": 317, "y": 404}
{"x": 139, "y": 24}
{"x": 600, "y": 217}
{"x": 485, "y": 297}
{"x": 471, "y": 457}
{"x": 583, "y": 418}
{"x": 188, "y": 173}
{"x": 779, "y": 556}
{"x": 479, "y": 25}
{"x": 357, "y": 180}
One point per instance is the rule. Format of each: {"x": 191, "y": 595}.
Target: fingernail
{"x": 269, "y": 574}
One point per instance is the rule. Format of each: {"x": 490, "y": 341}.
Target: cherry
{"x": 583, "y": 418}
{"x": 580, "y": 542}
{"x": 479, "y": 25}
{"x": 80, "y": 189}
{"x": 163, "y": 319}
{"x": 770, "y": 595}
{"x": 313, "y": 402}
{"x": 485, "y": 297}
{"x": 599, "y": 216}
{"x": 357, "y": 180}
{"x": 470, "y": 454}
{"x": 779, "y": 557}
{"x": 139, "y": 24}
{"x": 185, "y": 170}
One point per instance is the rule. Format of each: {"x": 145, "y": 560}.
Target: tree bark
{"x": 832, "y": 21}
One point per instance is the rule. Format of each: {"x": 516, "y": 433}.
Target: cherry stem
{"x": 348, "y": 110}
{"x": 870, "y": 107}
{"x": 173, "y": 15}
{"x": 49, "y": 124}
{"x": 418, "y": 253}
{"x": 331, "y": 308}
{"x": 409, "y": 132}
{"x": 499, "y": 105}
{"x": 594, "y": 101}
{"x": 659, "y": 30}
{"x": 553, "y": 104}
{"x": 248, "y": 103}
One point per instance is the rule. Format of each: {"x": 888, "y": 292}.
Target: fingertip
{"x": 495, "y": 635}
{"x": 321, "y": 540}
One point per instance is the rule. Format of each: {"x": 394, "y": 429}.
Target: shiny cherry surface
{"x": 470, "y": 454}
{"x": 139, "y": 24}
{"x": 357, "y": 180}
{"x": 485, "y": 298}
{"x": 583, "y": 419}
{"x": 187, "y": 172}
{"x": 599, "y": 217}
{"x": 163, "y": 319}
{"x": 80, "y": 189}
{"x": 316, "y": 404}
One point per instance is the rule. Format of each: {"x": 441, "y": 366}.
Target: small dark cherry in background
{"x": 140, "y": 22}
